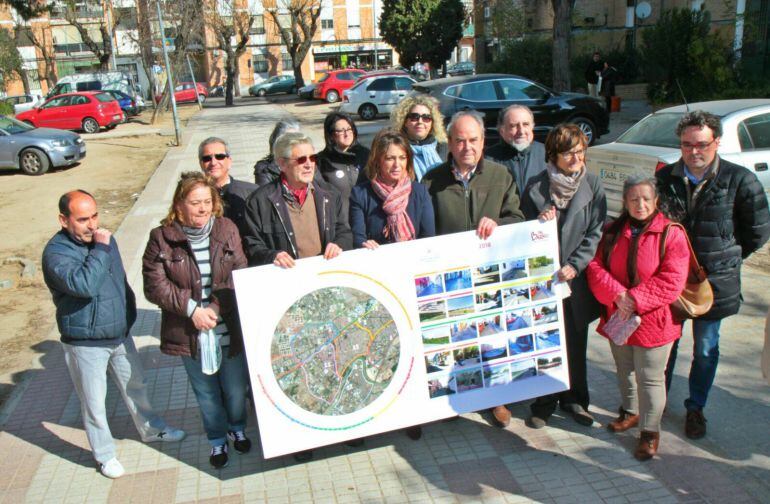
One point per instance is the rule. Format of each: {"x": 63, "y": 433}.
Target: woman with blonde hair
{"x": 187, "y": 269}
{"x": 419, "y": 118}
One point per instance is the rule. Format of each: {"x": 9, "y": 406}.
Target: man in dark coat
{"x": 725, "y": 211}
{"x": 593, "y": 72}
{"x": 215, "y": 160}
{"x": 517, "y": 149}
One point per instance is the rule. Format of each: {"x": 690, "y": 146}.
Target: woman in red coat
{"x": 628, "y": 276}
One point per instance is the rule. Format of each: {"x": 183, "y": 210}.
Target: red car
{"x": 185, "y": 92}
{"x": 87, "y": 110}
{"x": 331, "y": 86}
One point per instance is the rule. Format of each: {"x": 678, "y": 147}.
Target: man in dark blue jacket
{"x": 95, "y": 309}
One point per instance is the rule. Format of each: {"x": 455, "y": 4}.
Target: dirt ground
{"x": 115, "y": 171}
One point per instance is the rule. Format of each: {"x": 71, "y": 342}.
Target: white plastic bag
{"x": 211, "y": 351}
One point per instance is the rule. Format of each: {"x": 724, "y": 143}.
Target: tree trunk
{"x": 229, "y": 76}
{"x": 298, "y": 79}
{"x": 562, "y": 26}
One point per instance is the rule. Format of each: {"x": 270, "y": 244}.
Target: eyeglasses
{"x": 414, "y": 117}
{"x": 342, "y": 131}
{"x": 572, "y": 154}
{"x": 687, "y": 146}
{"x": 219, "y": 157}
{"x": 303, "y": 159}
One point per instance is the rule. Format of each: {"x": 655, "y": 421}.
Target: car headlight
{"x": 78, "y": 141}
{"x": 60, "y": 143}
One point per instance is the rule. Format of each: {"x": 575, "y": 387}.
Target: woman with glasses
{"x": 567, "y": 192}
{"x": 342, "y": 161}
{"x": 187, "y": 269}
{"x": 418, "y": 117}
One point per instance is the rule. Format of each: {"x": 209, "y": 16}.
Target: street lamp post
{"x": 374, "y": 31}
{"x": 169, "y": 76}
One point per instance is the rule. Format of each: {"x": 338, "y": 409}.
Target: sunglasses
{"x": 303, "y": 159}
{"x": 414, "y": 117}
{"x": 219, "y": 157}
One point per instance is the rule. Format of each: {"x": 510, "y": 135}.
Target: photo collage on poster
{"x": 488, "y": 325}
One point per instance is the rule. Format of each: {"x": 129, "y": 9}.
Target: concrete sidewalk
{"x": 46, "y": 455}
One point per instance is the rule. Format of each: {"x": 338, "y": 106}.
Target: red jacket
{"x": 659, "y": 283}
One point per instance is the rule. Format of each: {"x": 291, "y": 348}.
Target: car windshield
{"x": 104, "y": 97}
{"x": 12, "y": 126}
{"x": 657, "y": 130}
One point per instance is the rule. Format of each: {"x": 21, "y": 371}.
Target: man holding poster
{"x": 470, "y": 193}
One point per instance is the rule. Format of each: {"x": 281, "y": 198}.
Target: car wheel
{"x": 367, "y": 112}
{"x": 586, "y": 125}
{"x": 202, "y": 98}
{"x": 332, "y": 96}
{"x": 261, "y": 92}
{"x": 33, "y": 162}
{"x": 90, "y": 125}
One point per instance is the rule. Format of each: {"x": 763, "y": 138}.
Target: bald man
{"x": 95, "y": 309}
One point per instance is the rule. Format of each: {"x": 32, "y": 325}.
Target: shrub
{"x": 529, "y": 57}
{"x": 6, "y": 108}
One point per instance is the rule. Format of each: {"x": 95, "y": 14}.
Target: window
{"x": 60, "y": 101}
{"x": 80, "y": 100}
{"x": 88, "y": 86}
{"x": 758, "y": 129}
{"x": 259, "y": 63}
{"x": 475, "y": 91}
{"x": 286, "y": 57}
{"x": 515, "y": 89}
{"x": 403, "y": 84}
{"x": 327, "y": 24}
{"x": 386, "y": 84}
{"x": 258, "y": 26}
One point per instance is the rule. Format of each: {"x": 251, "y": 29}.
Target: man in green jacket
{"x": 471, "y": 193}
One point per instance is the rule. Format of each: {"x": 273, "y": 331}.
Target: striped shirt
{"x": 202, "y": 257}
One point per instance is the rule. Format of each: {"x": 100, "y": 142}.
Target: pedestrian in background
{"x": 419, "y": 118}
{"x": 568, "y": 192}
{"x": 266, "y": 170}
{"x": 610, "y": 77}
{"x": 187, "y": 270}
{"x": 593, "y": 73}
{"x": 629, "y": 276}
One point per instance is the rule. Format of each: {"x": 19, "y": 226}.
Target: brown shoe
{"x": 502, "y": 414}
{"x": 695, "y": 424}
{"x": 624, "y": 421}
{"x": 648, "y": 445}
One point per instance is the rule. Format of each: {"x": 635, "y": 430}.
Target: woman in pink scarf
{"x": 390, "y": 207}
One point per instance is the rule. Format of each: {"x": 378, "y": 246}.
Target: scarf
{"x": 426, "y": 156}
{"x": 562, "y": 186}
{"x": 299, "y": 195}
{"x": 197, "y": 235}
{"x": 399, "y": 226}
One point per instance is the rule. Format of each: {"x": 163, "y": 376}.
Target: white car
{"x": 652, "y": 144}
{"x": 22, "y": 103}
{"x": 376, "y": 95}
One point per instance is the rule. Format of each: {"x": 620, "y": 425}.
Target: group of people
{"x": 416, "y": 181}
{"x": 601, "y": 78}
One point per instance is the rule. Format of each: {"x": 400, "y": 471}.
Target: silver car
{"x": 35, "y": 150}
{"x": 22, "y": 103}
{"x": 652, "y": 144}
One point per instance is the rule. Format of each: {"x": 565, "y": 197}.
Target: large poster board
{"x": 373, "y": 341}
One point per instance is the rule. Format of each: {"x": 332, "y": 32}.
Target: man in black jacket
{"x": 295, "y": 216}
{"x": 215, "y": 160}
{"x": 725, "y": 211}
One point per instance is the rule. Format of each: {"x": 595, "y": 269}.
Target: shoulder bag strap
{"x": 697, "y": 273}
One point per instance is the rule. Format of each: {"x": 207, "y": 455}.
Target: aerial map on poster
{"x": 376, "y": 340}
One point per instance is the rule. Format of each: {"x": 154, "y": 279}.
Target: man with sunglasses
{"x": 215, "y": 161}
{"x": 724, "y": 209}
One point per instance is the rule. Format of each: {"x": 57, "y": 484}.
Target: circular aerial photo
{"x": 335, "y": 351}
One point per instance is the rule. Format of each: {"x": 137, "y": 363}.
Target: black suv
{"x": 490, "y": 93}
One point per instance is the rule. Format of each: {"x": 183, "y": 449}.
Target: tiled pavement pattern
{"x": 45, "y": 457}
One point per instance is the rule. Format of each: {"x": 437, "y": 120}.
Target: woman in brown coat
{"x": 187, "y": 268}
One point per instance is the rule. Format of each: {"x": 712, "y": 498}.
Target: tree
{"x": 228, "y": 21}
{"x": 562, "y": 28}
{"x": 298, "y": 36}
{"x": 422, "y": 30}
{"x": 73, "y": 11}
{"x": 10, "y": 61}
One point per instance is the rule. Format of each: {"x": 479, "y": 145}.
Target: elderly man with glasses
{"x": 215, "y": 161}
{"x": 724, "y": 209}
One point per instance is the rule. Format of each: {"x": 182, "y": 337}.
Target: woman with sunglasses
{"x": 567, "y": 192}
{"x": 342, "y": 161}
{"x": 418, "y": 117}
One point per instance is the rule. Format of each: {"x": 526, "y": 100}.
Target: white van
{"x": 94, "y": 81}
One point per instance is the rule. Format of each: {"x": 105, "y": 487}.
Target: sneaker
{"x": 112, "y": 468}
{"x": 167, "y": 435}
{"x": 218, "y": 457}
{"x": 536, "y": 422}
{"x": 241, "y": 443}
{"x": 695, "y": 424}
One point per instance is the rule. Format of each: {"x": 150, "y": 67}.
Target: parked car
{"x": 373, "y": 96}
{"x": 651, "y": 144}
{"x": 274, "y": 85}
{"x": 35, "y": 150}
{"x": 330, "y": 86}
{"x": 461, "y": 68}
{"x": 88, "y": 111}
{"x": 378, "y": 73}
{"x": 22, "y": 103}
{"x": 94, "y": 81}
{"x": 128, "y": 105}
{"x": 217, "y": 91}
{"x": 490, "y": 93}
{"x": 306, "y": 92}
{"x": 186, "y": 92}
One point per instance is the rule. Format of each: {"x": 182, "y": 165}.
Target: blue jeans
{"x": 704, "y": 362}
{"x": 221, "y": 396}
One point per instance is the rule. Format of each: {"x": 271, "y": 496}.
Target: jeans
{"x": 704, "y": 362}
{"x": 221, "y": 396}
{"x": 88, "y": 369}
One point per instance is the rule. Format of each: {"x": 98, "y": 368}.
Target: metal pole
{"x": 169, "y": 76}
{"x": 195, "y": 84}
{"x": 374, "y": 31}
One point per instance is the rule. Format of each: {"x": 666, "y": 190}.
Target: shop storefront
{"x": 334, "y": 56}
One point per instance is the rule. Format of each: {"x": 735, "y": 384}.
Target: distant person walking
{"x": 610, "y": 77}
{"x": 593, "y": 72}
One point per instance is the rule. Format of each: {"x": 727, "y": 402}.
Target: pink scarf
{"x": 399, "y": 226}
